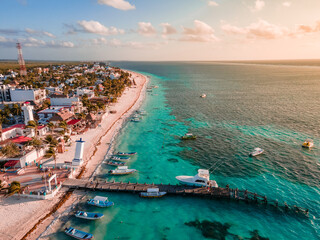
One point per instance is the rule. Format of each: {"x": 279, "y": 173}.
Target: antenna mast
{"x": 23, "y": 70}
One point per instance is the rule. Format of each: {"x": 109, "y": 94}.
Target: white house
{"x": 27, "y": 94}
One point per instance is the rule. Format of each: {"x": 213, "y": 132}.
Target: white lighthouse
{"x": 27, "y": 112}
{"x": 78, "y": 156}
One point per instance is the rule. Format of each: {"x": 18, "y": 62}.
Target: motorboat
{"x": 202, "y": 179}
{"x": 75, "y": 233}
{"x": 122, "y": 170}
{"x": 189, "y": 136}
{"x": 135, "y": 119}
{"x": 203, "y": 95}
{"x": 141, "y": 112}
{"x": 119, "y": 158}
{"x": 126, "y": 153}
{"x": 308, "y": 143}
{"x": 100, "y": 202}
{"x": 115, "y": 163}
{"x": 256, "y": 152}
{"x": 152, "y": 193}
{"x": 89, "y": 215}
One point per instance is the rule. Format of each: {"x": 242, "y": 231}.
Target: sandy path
{"x": 21, "y": 214}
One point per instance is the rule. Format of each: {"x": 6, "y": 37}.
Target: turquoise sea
{"x": 272, "y": 105}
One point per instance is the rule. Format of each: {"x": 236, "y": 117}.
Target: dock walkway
{"x": 215, "y": 193}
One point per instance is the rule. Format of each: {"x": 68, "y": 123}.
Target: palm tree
{"x": 33, "y": 125}
{"x": 51, "y": 152}
{"x": 50, "y": 126}
{"x": 14, "y": 188}
{"x": 36, "y": 143}
{"x": 51, "y": 141}
{"x": 16, "y": 109}
{"x": 10, "y": 150}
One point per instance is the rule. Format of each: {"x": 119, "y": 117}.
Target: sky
{"x": 160, "y": 30}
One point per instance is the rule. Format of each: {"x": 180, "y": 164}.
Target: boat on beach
{"x": 99, "y": 201}
{"x": 122, "y": 170}
{"x": 188, "y": 136}
{"x": 115, "y": 163}
{"x": 152, "y": 193}
{"x": 256, "y": 152}
{"x": 89, "y": 215}
{"x": 202, "y": 179}
{"x": 119, "y": 158}
{"x": 308, "y": 143}
{"x": 78, "y": 234}
{"x": 125, "y": 153}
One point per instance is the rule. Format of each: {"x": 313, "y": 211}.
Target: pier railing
{"x": 214, "y": 193}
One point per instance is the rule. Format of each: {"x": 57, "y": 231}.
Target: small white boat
{"x": 256, "y": 152}
{"x": 75, "y": 233}
{"x": 135, "y": 119}
{"x": 122, "y": 170}
{"x": 203, "y": 95}
{"x": 89, "y": 215}
{"x": 152, "y": 193}
{"x": 100, "y": 202}
{"x": 126, "y": 153}
{"x": 119, "y": 158}
{"x": 308, "y": 143}
{"x": 202, "y": 179}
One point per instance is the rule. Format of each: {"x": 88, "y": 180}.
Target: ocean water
{"x": 274, "y": 106}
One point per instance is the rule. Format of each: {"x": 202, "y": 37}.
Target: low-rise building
{"x": 27, "y": 94}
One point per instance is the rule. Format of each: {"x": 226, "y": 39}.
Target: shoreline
{"x": 95, "y": 153}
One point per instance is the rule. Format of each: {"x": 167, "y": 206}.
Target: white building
{"x": 27, "y": 94}
{"x": 46, "y": 114}
{"x": 85, "y": 91}
{"x": 27, "y": 113}
{"x": 67, "y": 102}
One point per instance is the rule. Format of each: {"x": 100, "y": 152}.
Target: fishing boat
{"x": 119, "y": 158}
{"x": 152, "y": 193}
{"x": 122, "y": 170}
{"x": 202, "y": 179}
{"x": 203, "y": 95}
{"x": 126, "y": 153}
{"x": 115, "y": 163}
{"x": 75, "y": 233}
{"x": 189, "y": 136}
{"x": 256, "y": 152}
{"x": 135, "y": 119}
{"x": 100, "y": 202}
{"x": 308, "y": 143}
{"x": 89, "y": 215}
{"x": 141, "y": 112}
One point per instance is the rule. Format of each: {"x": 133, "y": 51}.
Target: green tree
{"x": 14, "y": 188}
{"x": 16, "y": 110}
{"x": 33, "y": 125}
{"x": 10, "y": 150}
{"x": 51, "y": 152}
{"x": 36, "y": 143}
{"x": 50, "y": 125}
{"x": 53, "y": 142}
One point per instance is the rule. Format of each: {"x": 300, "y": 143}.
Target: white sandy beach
{"x": 18, "y": 215}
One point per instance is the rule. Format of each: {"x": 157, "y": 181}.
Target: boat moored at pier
{"x": 202, "y": 179}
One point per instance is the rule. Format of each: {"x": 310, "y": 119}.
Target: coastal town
{"x": 53, "y": 119}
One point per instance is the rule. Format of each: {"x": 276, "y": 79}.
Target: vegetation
{"x": 8, "y": 112}
{"x": 14, "y": 188}
{"x": 36, "y": 143}
{"x": 33, "y": 125}
{"x": 52, "y": 141}
{"x": 10, "y": 150}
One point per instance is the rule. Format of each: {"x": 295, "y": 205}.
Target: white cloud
{"x": 146, "y": 29}
{"x": 258, "y": 30}
{"x": 286, "y": 4}
{"x": 212, "y": 4}
{"x": 167, "y": 29}
{"x": 33, "y": 42}
{"x": 118, "y": 4}
{"x": 39, "y": 33}
{"x": 60, "y": 44}
{"x": 98, "y": 28}
{"x": 201, "y": 32}
{"x": 258, "y": 6}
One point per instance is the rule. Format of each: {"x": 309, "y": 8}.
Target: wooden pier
{"x": 214, "y": 193}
